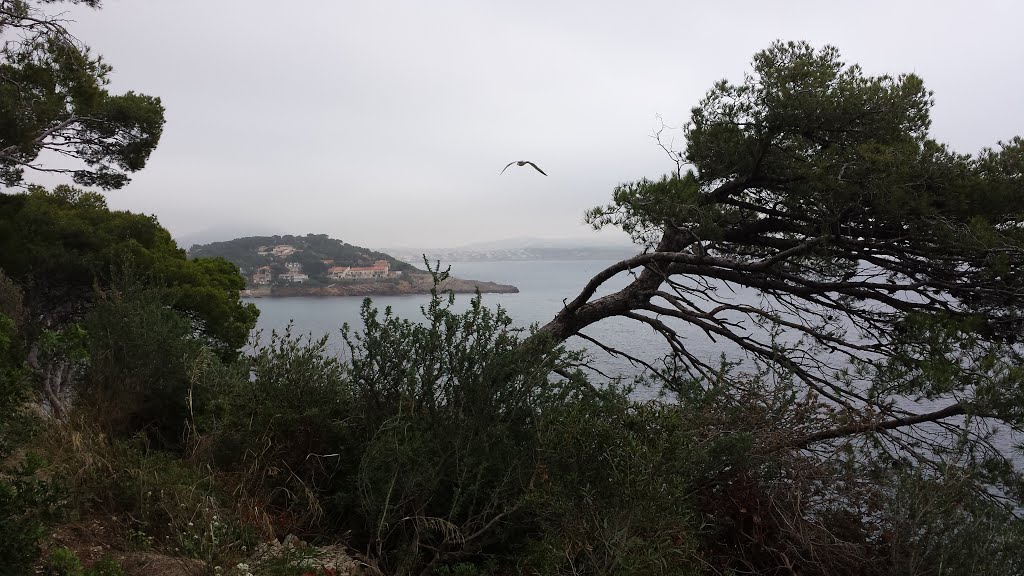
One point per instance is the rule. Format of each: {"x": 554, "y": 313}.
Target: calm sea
{"x": 543, "y": 288}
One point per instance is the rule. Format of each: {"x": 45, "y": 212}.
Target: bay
{"x": 544, "y": 287}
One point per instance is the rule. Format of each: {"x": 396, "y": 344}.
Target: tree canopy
{"x": 883, "y": 268}
{"x": 54, "y": 100}
{"x": 64, "y": 246}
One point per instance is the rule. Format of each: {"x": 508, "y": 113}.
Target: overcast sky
{"x": 387, "y": 123}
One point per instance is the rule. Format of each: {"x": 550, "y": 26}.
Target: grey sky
{"x": 386, "y": 123}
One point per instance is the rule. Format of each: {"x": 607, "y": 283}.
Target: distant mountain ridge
{"x": 520, "y": 249}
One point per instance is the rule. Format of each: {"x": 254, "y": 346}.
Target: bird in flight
{"x": 523, "y": 163}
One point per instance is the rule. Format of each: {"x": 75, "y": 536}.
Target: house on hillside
{"x": 293, "y": 277}
{"x": 262, "y": 275}
{"x": 380, "y": 269}
{"x": 293, "y": 266}
{"x": 283, "y": 250}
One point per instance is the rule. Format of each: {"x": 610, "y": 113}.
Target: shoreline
{"x": 409, "y": 285}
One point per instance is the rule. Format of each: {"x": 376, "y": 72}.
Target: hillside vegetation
{"x": 144, "y": 433}
{"x": 312, "y": 250}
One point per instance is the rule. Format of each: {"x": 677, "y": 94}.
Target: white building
{"x": 283, "y": 250}
{"x": 380, "y": 269}
{"x": 262, "y": 275}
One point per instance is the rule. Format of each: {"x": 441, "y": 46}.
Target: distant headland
{"x": 317, "y": 265}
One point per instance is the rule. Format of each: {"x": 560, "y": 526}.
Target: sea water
{"x": 544, "y": 288}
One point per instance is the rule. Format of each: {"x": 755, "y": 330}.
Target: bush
{"x": 106, "y": 566}
{"x": 613, "y": 488}
{"x": 63, "y": 562}
{"x": 158, "y": 499}
{"x": 447, "y": 417}
{"x": 28, "y": 503}
{"x": 421, "y": 449}
{"x": 148, "y": 373}
{"x": 286, "y": 433}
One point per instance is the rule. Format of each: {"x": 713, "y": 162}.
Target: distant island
{"x": 317, "y": 265}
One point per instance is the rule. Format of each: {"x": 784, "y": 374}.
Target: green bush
{"x": 446, "y": 413}
{"x": 148, "y": 373}
{"x": 420, "y": 449}
{"x": 285, "y": 432}
{"x": 63, "y": 562}
{"x": 28, "y": 503}
{"x": 613, "y": 488}
{"x": 106, "y": 566}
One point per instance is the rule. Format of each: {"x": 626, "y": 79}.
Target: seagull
{"x": 522, "y": 163}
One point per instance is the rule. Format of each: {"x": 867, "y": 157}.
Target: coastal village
{"x": 294, "y": 273}
{"x": 317, "y": 265}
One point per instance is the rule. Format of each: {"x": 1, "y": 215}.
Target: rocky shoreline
{"x": 408, "y": 284}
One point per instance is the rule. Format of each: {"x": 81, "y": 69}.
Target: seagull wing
{"x": 536, "y": 168}
{"x": 506, "y": 167}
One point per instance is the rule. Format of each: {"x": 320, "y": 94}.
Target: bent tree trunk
{"x": 880, "y": 270}
{"x": 56, "y": 378}
{"x": 889, "y": 309}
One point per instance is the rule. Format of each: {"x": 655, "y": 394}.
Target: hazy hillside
{"x": 311, "y": 251}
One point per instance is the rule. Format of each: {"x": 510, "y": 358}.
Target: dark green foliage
{"x": 148, "y": 372}
{"x": 286, "y": 431}
{"x": 614, "y": 486}
{"x": 54, "y": 97}
{"x": 28, "y": 505}
{"x": 427, "y": 440}
{"x": 448, "y": 410}
{"x": 453, "y": 446}
{"x": 63, "y": 562}
{"x": 814, "y": 223}
{"x": 62, "y": 246}
{"x": 14, "y": 377}
{"x": 27, "y": 502}
{"x": 105, "y": 566}
{"x": 940, "y": 523}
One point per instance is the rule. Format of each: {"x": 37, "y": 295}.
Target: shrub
{"x": 148, "y": 373}
{"x": 105, "y": 566}
{"x": 28, "y": 503}
{"x": 446, "y": 413}
{"x": 421, "y": 449}
{"x": 613, "y": 488}
{"x": 285, "y": 432}
{"x": 63, "y": 562}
